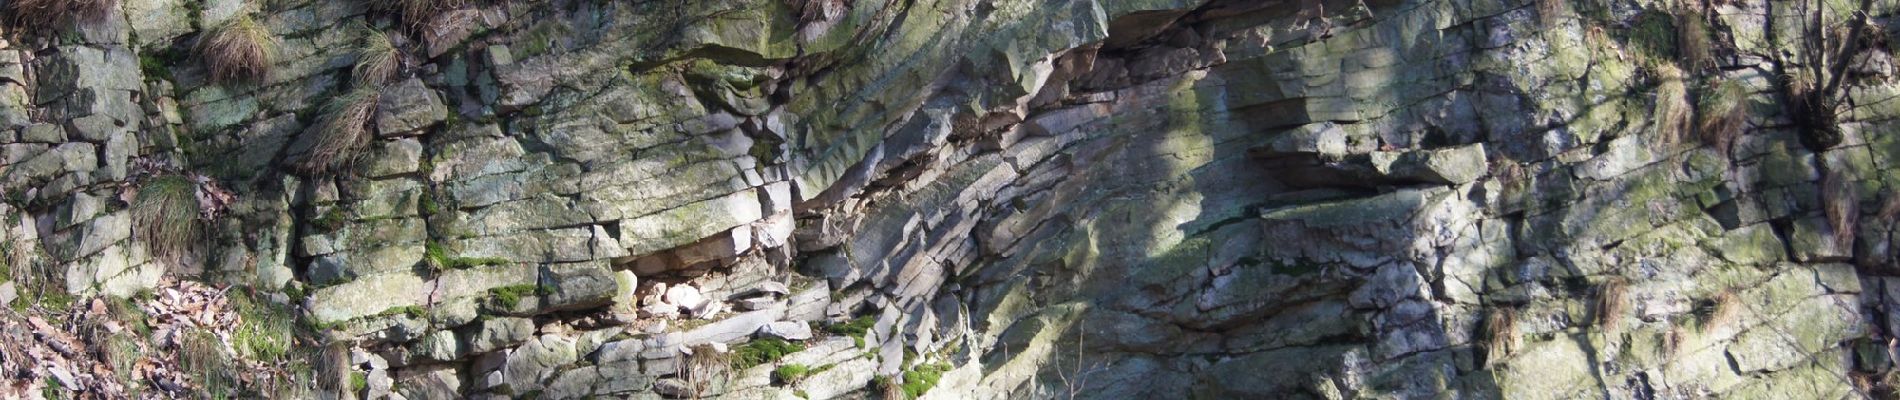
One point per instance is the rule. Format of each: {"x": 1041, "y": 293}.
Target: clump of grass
{"x": 706, "y": 364}
{"x": 128, "y": 314}
{"x": 1673, "y": 113}
{"x": 415, "y": 12}
{"x": 1841, "y": 202}
{"x": 167, "y": 214}
{"x": 763, "y": 351}
{"x": 331, "y": 220}
{"x": 1722, "y": 310}
{"x": 342, "y": 131}
{"x": 1722, "y": 115}
{"x": 1500, "y": 334}
{"x": 123, "y": 353}
{"x": 264, "y": 331}
{"x": 50, "y": 14}
{"x": 1692, "y": 42}
{"x": 1890, "y": 208}
{"x": 1612, "y": 302}
{"x": 855, "y": 327}
{"x": 1549, "y": 11}
{"x": 1653, "y": 37}
{"x": 202, "y": 357}
{"x": 376, "y": 59}
{"x": 888, "y": 388}
{"x": 1672, "y": 341}
{"x": 332, "y": 369}
{"x": 238, "y": 51}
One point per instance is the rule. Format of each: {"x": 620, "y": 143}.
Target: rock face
{"x": 993, "y": 199}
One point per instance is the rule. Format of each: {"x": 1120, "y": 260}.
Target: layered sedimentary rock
{"x": 993, "y": 199}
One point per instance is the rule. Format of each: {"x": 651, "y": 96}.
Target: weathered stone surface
{"x": 787, "y": 330}
{"x": 498, "y": 333}
{"x": 407, "y": 106}
{"x": 530, "y": 365}
{"x": 1455, "y": 165}
{"x": 1221, "y": 200}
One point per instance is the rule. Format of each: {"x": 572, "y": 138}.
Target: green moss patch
{"x": 441, "y": 259}
{"x": 510, "y": 296}
{"x": 790, "y": 373}
{"x": 923, "y": 377}
{"x": 762, "y": 351}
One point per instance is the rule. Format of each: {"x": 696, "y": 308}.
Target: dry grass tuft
{"x": 1549, "y": 12}
{"x": 1726, "y": 309}
{"x": 342, "y": 131}
{"x": 1672, "y": 341}
{"x": 1500, "y": 334}
{"x": 166, "y": 211}
{"x": 332, "y": 368}
{"x": 1840, "y": 199}
{"x": 1724, "y": 111}
{"x": 201, "y": 354}
{"x": 1692, "y": 42}
{"x": 888, "y": 388}
{"x": 50, "y": 14}
{"x": 414, "y": 13}
{"x": 1890, "y": 208}
{"x": 377, "y": 60}
{"x": 1612, "y": 303}
{"x": 239, "y": 51}
{"x": 705, "y": 365}
{"x": 1673, "y": 112}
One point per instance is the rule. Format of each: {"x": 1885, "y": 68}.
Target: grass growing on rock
{"x": 376, "y": 59}
{"x": 1549, "y": 12}
{"x": 1840, "y": 202}
{"x": 762, "y": 351}
{"x": 1723, "y": 112}
{"x": 342, "y": 131}
{"x": 1722, "y": 310}
{"x": 332, "y": 369}
{"x": 1692, "y": 42}
{"x": 705, "y": 364}
{"x": 238, "y": 51}
{"x": 855, "y": 328}
{"x": 888, "y": 388}
{"x": 1672, "y": 113}
{"x": 49, "y": 14}
{"x": 1612, "y": 302}
{"x": 417, "y": 15}
{"x": 1653, "y": 36}
{"x": 1500, "y": 334}
{"x": 166, "y": 213}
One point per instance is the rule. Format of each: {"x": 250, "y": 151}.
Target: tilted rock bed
{"x": 950, "y": 199}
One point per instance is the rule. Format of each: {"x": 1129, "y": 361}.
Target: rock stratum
{"x": 949, "y": 199}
